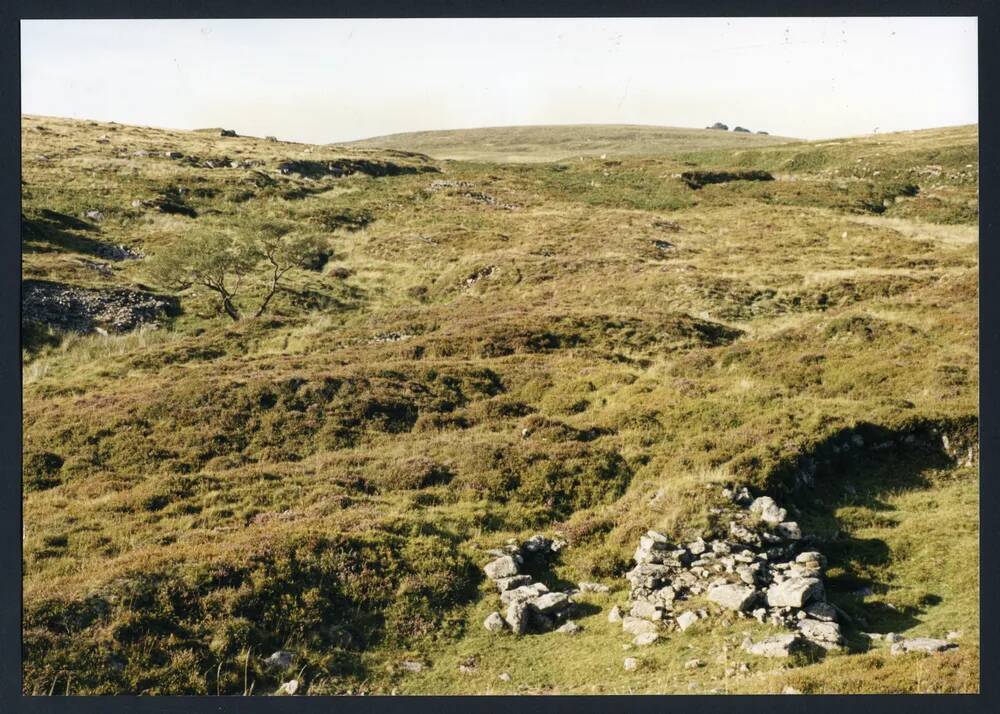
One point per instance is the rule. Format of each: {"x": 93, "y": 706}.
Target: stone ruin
{"x": 530, "y": 606}
{"x": 763, "y": 568}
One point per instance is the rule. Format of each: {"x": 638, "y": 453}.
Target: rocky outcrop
{"x": 346, "y": 167}
{"x": 84, "y": 310}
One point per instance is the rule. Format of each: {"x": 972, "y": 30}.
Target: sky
{"x": 322, "y": 81}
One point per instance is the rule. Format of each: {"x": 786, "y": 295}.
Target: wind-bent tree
{"x": 250, "y": 262}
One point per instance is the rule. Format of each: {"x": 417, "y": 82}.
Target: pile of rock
{"x": 84, "y": 310}
{"x": 528, "y": 606}
{"x": 762, "y": 568}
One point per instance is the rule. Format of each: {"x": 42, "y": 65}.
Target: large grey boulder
{"x": 774, "y": 646}
{"x": 551, "y": 602}
{"x": 732, "y": 596}
{"x": 825, "y": 634}
{"x": 503, "y": 567}
{"x": 767, "y": 510}
{"x": 795, "y": 592}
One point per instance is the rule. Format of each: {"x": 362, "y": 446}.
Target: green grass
{"x": 327, "y": 478}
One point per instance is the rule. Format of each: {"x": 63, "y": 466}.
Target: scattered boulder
{"x": 719, "y": 126}
{"x": 645, "y": 639}
{"x": 270, "y": 138}
{"x": 921, "y": 644}
{"x": 95, "y": 216}
{"x": 741, "y": 129}
{"x": 593, "y": 588}
{"x": 686, "y": 619}
{"x": 773, "y": 646}
{"x": 694, "y": 664}
{"x": 411, "y": 666}
{"x": 504, "y": 677}
{"x": 227, "y": 132}
{"x": 615, "y": 614}
{"x": 630, "y": 664}
{"x": 282, "y": 659}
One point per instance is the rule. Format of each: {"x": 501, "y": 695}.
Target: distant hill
{"x": 551, "y": 143}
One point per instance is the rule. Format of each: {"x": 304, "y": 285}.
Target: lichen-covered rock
{"x": 503, "y": 567}
{"x": 494, "y": 622}
{"x": 551, "y": 602}
{"x": 825, "y": 634}
{"x": 767, "y": 510}
{"x": 516, "y": 581}
{"x": 517, "y": 617}
{"x": 646, "y": 610}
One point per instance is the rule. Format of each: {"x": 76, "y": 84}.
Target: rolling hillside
{"x": 478, "y": 352}
{"x": 554, "y": 143}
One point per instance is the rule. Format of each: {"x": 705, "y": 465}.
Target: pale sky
{"x": 323, "y": 81}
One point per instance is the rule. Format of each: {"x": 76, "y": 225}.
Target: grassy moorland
{"x": 588, "y": 347}
{"x": 530, "y": 144}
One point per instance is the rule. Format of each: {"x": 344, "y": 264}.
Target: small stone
{"x": 504, "y": 677}
{"x": 790, "y": 689}
{"x": 693, "y": 664}
{"x": 494, "y": 622}
{"x": 631, "y": 664}
{"x": 288, "y": 688}
{"x": 637, "y": 626}
{"x": 954, "y": 635}
{"x": 569, "y": 628}
{"x": 789, "y": 530}
{"x": 767, "y": 510}
{"x": 645, "y": 639}
{"x": 411, "y": 666}
{"x": 94, "y": 216}
{"x": 686, "y": 619}
{"x": 281, "y": 659}
{"x": 593, "y": 588}
{"x": 615, "y": 614}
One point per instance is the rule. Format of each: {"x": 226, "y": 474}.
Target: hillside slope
{"x": 559, "y": 142}
{"x": 585, "y": 349}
